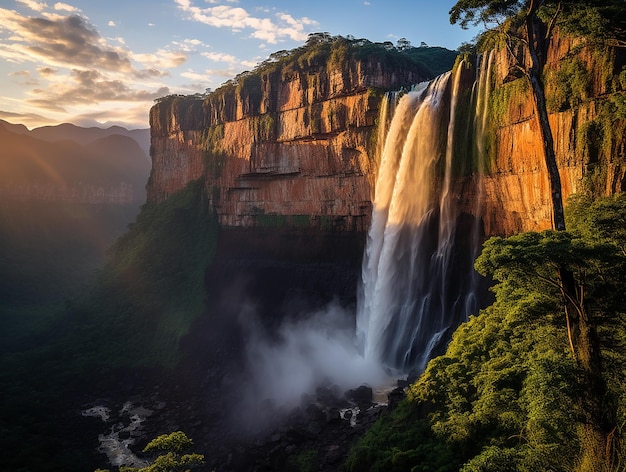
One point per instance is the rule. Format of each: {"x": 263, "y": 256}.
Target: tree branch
{"x": 552, "y": 22}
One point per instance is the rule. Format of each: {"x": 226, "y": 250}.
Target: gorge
{"x": 265, "y": 194}
{"x": 344, "y": 264}
{"x": 292, "y": 146}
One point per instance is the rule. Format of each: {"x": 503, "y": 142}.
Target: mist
{"x": 285, "y": 368}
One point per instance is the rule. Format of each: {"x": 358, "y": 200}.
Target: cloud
{"x": 68, "y": 40}
{"x": 161, "y": 59}
{"x": 238, "y": 19}
{"x": 33, "y": 5}
{"x": 111, "y": 23}
{"x": 65, "y": 7}
{"x": 20, "y": 73}
{"x": 120, "y": 116}
{"x": 219, "y": 57}
{"x": 30, "y": 120}
{"x": 23, "y": 77}
{"x": 46, "y": 71}
{"x": 87, "y": 87}
{"x": 208, "y": 74}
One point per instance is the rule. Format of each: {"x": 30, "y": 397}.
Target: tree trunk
{"x": 539, "y": 99}
{"x": 585, "y": 344}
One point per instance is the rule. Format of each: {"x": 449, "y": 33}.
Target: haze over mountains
{"x": 79, "y": 134}
{"x": 66, "y": 194}
{"x": 69, "y": 163}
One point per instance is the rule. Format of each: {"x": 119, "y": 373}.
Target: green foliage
{"x": 437, "y": 59}
{"x": 504, "y": 395}
{"x": 501, "y": 100}
{"x": 172, "y": 458}
{"x": 323, "y": 52}
{"x": 214, "y": 157}
{"x": 174, "y": 442}
{"x": 599, "y": 141}
{"x": 401, "y": 441}
{"x": 598, "y": 20}
{"x": 568, "y": 86}
{"x": 153, "y": 285}
{"x": 303, "y": 461}
{"x": 263, "y": 127}
{"x": 50, "y": 251}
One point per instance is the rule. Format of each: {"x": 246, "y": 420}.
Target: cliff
{"x": 293, "y": 142}
{"x": 584, "y": 87}
{"x": 289, "y": 143}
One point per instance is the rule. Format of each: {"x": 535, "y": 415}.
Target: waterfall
{"x": 418, "y": 282}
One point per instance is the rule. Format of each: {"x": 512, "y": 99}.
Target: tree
{"x": 529, "y": 25}
{"x": 403, "y": 44}
{"x": 172, "y": 456}
{"x": 534, "y": 263}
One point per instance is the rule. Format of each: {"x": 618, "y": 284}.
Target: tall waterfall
{"x": 418, "y": 282}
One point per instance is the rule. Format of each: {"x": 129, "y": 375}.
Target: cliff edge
{"x": 288, "y": 143}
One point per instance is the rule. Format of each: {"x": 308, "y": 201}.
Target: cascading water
{"x": 418, "y": 282}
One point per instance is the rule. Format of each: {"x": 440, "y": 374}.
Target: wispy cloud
{"x": 87, "y": 87}
{"x": 33, "y": 5}
{"x": 46, "y": 71}
{"x": 220, "y": 57}
{"x": 65, "y": 7}
{"x": 271, "y": 30}
{"x": 66, "y": 41}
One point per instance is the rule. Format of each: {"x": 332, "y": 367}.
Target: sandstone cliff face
{"x": 291, "y": 147}
{"x": 295, "y": 145}
{"x": 587, "y": 127}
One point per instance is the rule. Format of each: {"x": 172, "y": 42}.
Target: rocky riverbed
{"x": 318, "y": 433}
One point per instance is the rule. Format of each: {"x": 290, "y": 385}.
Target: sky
{"x": 103, "y": 63}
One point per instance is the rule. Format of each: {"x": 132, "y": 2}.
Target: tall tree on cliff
{"x": 527, "y": 26}
{"x": 536, "y": 20}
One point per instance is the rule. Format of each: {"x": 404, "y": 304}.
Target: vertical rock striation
{"x": 290, "y": 145}
{"x": 583, "y": 92}
{"x": 293, "y": 143}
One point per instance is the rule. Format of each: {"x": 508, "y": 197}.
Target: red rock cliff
{"x": 295, "y": 145}
{"x": 586, "y": 99}
{"x": 292, "y": 145}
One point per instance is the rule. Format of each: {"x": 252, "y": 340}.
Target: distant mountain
{"x": 76, "y": 164}
{"x": 66, "y": 194}
{"x": 80, "y": 135}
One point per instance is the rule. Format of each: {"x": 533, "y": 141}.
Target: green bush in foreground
{"x": 172, "y": 456}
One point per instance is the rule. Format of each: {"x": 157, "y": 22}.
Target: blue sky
{"x": 97, "y": 63}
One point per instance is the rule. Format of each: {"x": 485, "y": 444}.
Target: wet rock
{"x": 362, "y": 396}
{"x": 395, "y": 397}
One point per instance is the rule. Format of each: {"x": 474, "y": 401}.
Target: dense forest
{"x": 504, "y": 396}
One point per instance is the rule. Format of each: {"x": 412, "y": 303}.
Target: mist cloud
{"x": 317, "y": 350}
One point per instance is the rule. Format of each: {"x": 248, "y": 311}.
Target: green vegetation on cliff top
{"x": 323, "y": 50}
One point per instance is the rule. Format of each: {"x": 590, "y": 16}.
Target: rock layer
{"x": 296, "y": 147}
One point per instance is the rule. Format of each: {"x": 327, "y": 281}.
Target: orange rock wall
{"x": 297, "y": 150}
{"x": 300, "y": 150}
{"x": 516, "y": 188}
